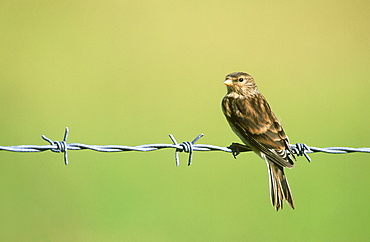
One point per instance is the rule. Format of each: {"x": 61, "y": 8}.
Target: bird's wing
{"x": 256, "y": 124}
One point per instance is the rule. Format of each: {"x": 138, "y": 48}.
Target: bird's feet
{"x": 237, "y": 148}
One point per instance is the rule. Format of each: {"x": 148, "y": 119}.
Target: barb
{"x": 298, "y": 149}
{"x": 186, "y": 146}
{"x": 61, "y": 145}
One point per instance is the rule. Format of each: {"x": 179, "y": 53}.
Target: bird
{"x": 252, "y": 120}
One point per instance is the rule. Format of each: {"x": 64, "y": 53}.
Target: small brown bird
{"x": 251, "y": 118}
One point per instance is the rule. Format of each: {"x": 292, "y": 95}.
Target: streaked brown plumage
{"x": 252, "y": 119}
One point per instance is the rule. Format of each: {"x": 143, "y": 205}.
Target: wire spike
{"x": 197, "y": 138}
{"x": 61, "y": 146}
{"x": 177, "y": 159}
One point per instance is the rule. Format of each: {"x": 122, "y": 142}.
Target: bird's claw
{"x": 237, "y": 148}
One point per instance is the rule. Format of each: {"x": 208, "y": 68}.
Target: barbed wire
{"x": 298, "y": 149}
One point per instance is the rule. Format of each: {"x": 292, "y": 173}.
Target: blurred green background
{"x": 132, "y": 72}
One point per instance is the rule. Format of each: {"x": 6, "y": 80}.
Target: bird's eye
{"x": 241, "y": 80}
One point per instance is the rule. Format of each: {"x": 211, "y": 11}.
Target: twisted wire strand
{"x": 298, "y": 149}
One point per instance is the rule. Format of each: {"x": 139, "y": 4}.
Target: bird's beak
{"x": 228, "y": 82}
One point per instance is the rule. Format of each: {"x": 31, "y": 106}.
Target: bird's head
{"x": 241, "y": 83}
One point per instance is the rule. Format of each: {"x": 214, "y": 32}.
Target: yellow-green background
{"x": 132, "y": 72}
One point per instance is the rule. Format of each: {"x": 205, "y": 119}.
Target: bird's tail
{"x": 279, "y": 186}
